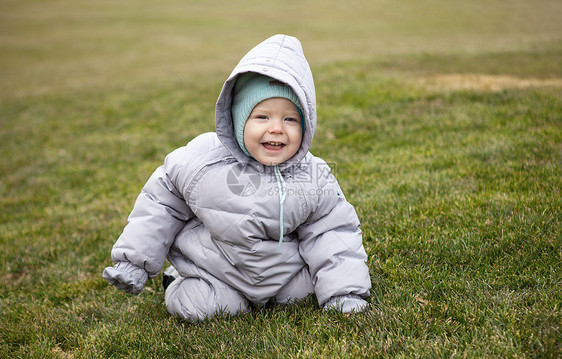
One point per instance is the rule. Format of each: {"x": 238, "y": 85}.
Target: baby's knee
{"x": 187, "y": 298}
{"x": 197, "y": 299}
{"x": 297, "y": 289}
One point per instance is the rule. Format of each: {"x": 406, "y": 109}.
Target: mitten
{"x": 346, "y": 303}
{"x": 126, "y": 276}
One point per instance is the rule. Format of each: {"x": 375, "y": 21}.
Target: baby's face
{"x": 273, "y": 131}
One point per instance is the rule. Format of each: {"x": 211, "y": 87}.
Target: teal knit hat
{"x": 250, "y": 89}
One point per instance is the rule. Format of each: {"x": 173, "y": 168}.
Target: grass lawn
{"x": 443, "y": 120}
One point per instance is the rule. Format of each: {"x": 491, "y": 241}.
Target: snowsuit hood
{"x": 280, "y": 57}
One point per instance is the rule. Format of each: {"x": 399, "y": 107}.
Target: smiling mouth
{"x": 273, "y": 146}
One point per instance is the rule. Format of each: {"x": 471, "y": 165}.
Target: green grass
{"x": 458, "y": 189}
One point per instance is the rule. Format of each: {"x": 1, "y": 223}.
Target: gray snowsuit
{"x": 214, "y": 213}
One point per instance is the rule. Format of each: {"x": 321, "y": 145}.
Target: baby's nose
{"x": 276, "y": 127}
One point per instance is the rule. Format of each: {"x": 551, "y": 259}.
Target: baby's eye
{"x": 291, "y": 119}
{"x": 261, "y": 117}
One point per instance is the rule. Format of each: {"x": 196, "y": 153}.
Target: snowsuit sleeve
{"x": 159, "y": 213}
{"x": 331, "y": 245}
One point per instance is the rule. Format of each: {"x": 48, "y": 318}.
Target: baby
{"x": 247, "y": 215}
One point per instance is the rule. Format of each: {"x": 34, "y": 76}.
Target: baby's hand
{"x": 346, "y": 303}
{"x": 126, "y": 276}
